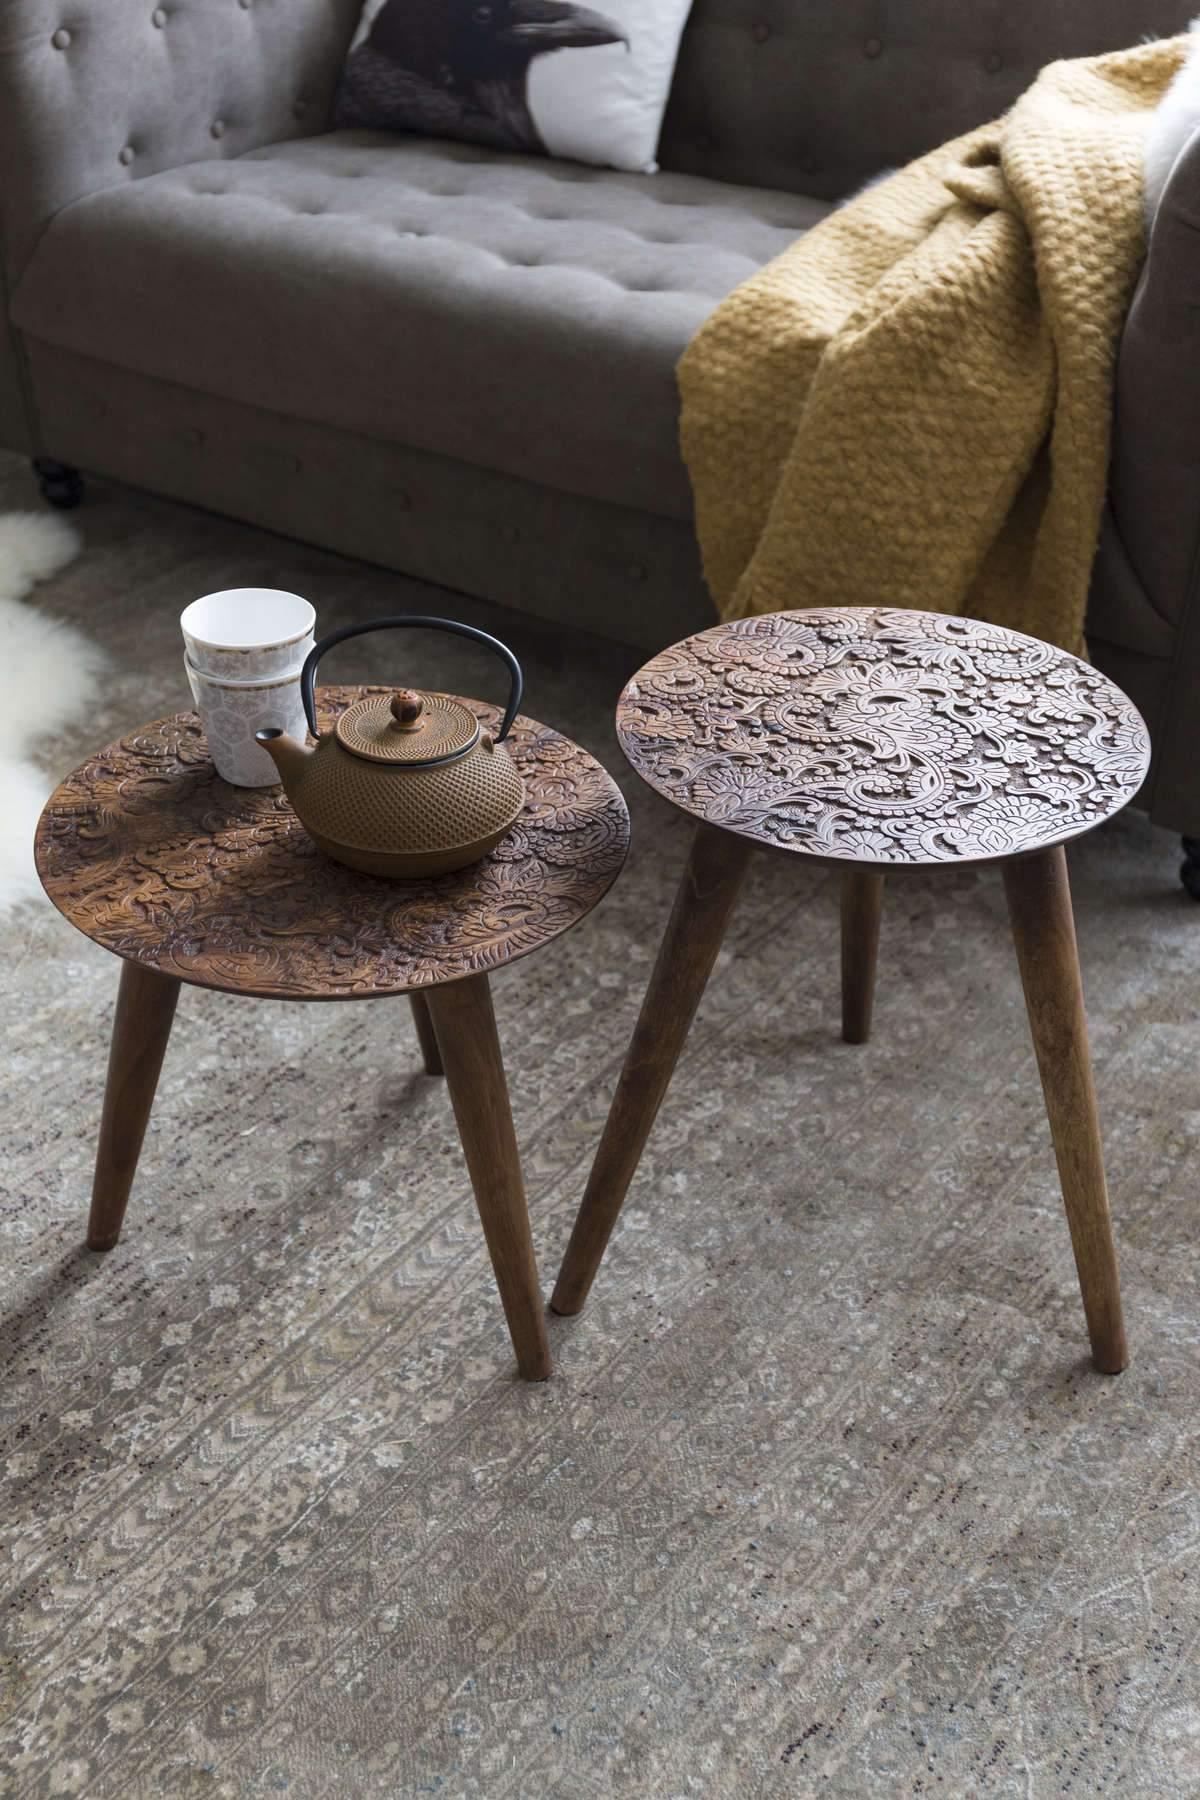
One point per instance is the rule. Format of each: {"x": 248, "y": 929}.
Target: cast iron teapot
{"x": 405, "y": 784}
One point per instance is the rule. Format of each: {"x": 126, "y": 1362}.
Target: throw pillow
{"x": 588, "y": 82}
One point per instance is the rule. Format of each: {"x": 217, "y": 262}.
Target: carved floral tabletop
{"x": 883, "y": 737}
{"x": 149, "y": 853}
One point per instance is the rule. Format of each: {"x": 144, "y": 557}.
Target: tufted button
{"x": 125, "y": 157}
{"x": 761, "y": 32}
{"x": 637, "y": 572}
{"x": 158, "y": 18}
{"x": 872, "y": 47}
{"x": 245, "y": 5}
{"x": 61, "y": 38}
{"x": 217, "y": 128}
{"x": 511, "y": 534}
{"x": 192, "y": 436}
{"x": 993, "y": 61}
{"x": 299, "y": 108}
{"x": 401, "y": 500}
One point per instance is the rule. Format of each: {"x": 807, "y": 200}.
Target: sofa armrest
{"x": 16, "y": 425}
{"x": 95, "y": 94}
{"x": 16, "y": 431}
{"x": 1154, "y": 479}
{"x": 1154, "y": 482}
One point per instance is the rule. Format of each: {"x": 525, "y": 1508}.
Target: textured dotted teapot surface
{"x": 441, "y": 727}
{"x": 884, "y": 737}
{"x": 395, "y": 815}
{"x": 382, "y": 806}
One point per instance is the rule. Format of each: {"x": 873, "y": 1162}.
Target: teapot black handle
{"x": 308, "y": 674}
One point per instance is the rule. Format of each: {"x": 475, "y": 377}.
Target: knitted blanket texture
{"x": 911, "y": 406}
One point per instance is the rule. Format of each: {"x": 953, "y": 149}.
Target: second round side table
{"x": 188, "y": 880}
{"x": 877, "y": 741}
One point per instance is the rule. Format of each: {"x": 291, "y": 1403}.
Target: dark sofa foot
{"x": 61, "y": 485}
{"x": 1189, "y": 869}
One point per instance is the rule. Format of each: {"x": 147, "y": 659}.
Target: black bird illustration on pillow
{"x": 460, "y": 68}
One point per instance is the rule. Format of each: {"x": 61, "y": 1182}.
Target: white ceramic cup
{"x": 232, "y": 711}
{"x": 248, "y": 634}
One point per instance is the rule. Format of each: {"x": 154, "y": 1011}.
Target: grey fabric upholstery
{"x": 816, "y": 95}
{"x": 1155, "y": 472}
{"x": 512, "y": 311}
{"x": 618, "y": 571}
{"x": 1154, "y": 489}
{"x": 213, "y": 304}
{"x": 100, "y": 93}
{"x": 14, "y": 411}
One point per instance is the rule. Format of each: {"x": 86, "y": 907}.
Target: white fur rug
{"x": 48, "y": 674}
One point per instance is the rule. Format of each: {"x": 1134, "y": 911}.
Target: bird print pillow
{"x": 541, "y": 76}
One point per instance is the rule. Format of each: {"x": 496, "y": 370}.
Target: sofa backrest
{"x": 814, "y": 96}
{"x": 808, "y": 95}
{"x": 106, "y": 91}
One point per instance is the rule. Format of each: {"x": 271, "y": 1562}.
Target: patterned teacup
{"x": 232, "y": 711}
{"x": 248, "y": 634}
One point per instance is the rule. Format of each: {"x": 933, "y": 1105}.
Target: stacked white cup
{"x": 245, "y": 650}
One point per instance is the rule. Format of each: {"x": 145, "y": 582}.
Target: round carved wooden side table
{"x": 150, "y": 854}
{"x": 878, "y": 741}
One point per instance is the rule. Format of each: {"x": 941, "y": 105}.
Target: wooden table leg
{"x": 862, "y": 908}
{"x": 141, "y": 1027}
{"x": 466, "y": 1033}
{"x": 426, "y": 1035}
{"x": 704, "y": 904}
{"x": 1043, "y": 928}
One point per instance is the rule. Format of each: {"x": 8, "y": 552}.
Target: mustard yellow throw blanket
{"x": 911, "y": 406}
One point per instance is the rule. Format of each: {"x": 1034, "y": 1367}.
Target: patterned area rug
{"x": 823, "y": 1497}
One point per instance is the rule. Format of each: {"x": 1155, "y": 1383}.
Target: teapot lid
{"x": 408, "y": 728}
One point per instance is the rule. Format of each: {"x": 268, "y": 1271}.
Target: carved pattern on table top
{"x": 883, "y": 737}
{"x": 151, "y": 855}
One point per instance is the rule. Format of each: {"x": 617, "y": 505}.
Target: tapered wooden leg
{"x": 1043, "y": 928}
{"x": 466, "y": 1034}
{"x": 426, "y": 1035}
{"x": 862, "y": 907}
{"x": 141, "y": 1027}
{"x": 707, "y": 895}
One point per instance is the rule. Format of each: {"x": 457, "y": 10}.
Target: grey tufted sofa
{"x": 461, "y": 364}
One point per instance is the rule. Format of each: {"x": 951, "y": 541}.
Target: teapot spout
{"x": 288, "y": 756}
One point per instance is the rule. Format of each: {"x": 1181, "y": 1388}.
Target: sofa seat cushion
{"x": 513, "y": 312}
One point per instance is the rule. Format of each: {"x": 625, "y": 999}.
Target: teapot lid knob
{"x": 406, "y": 710}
